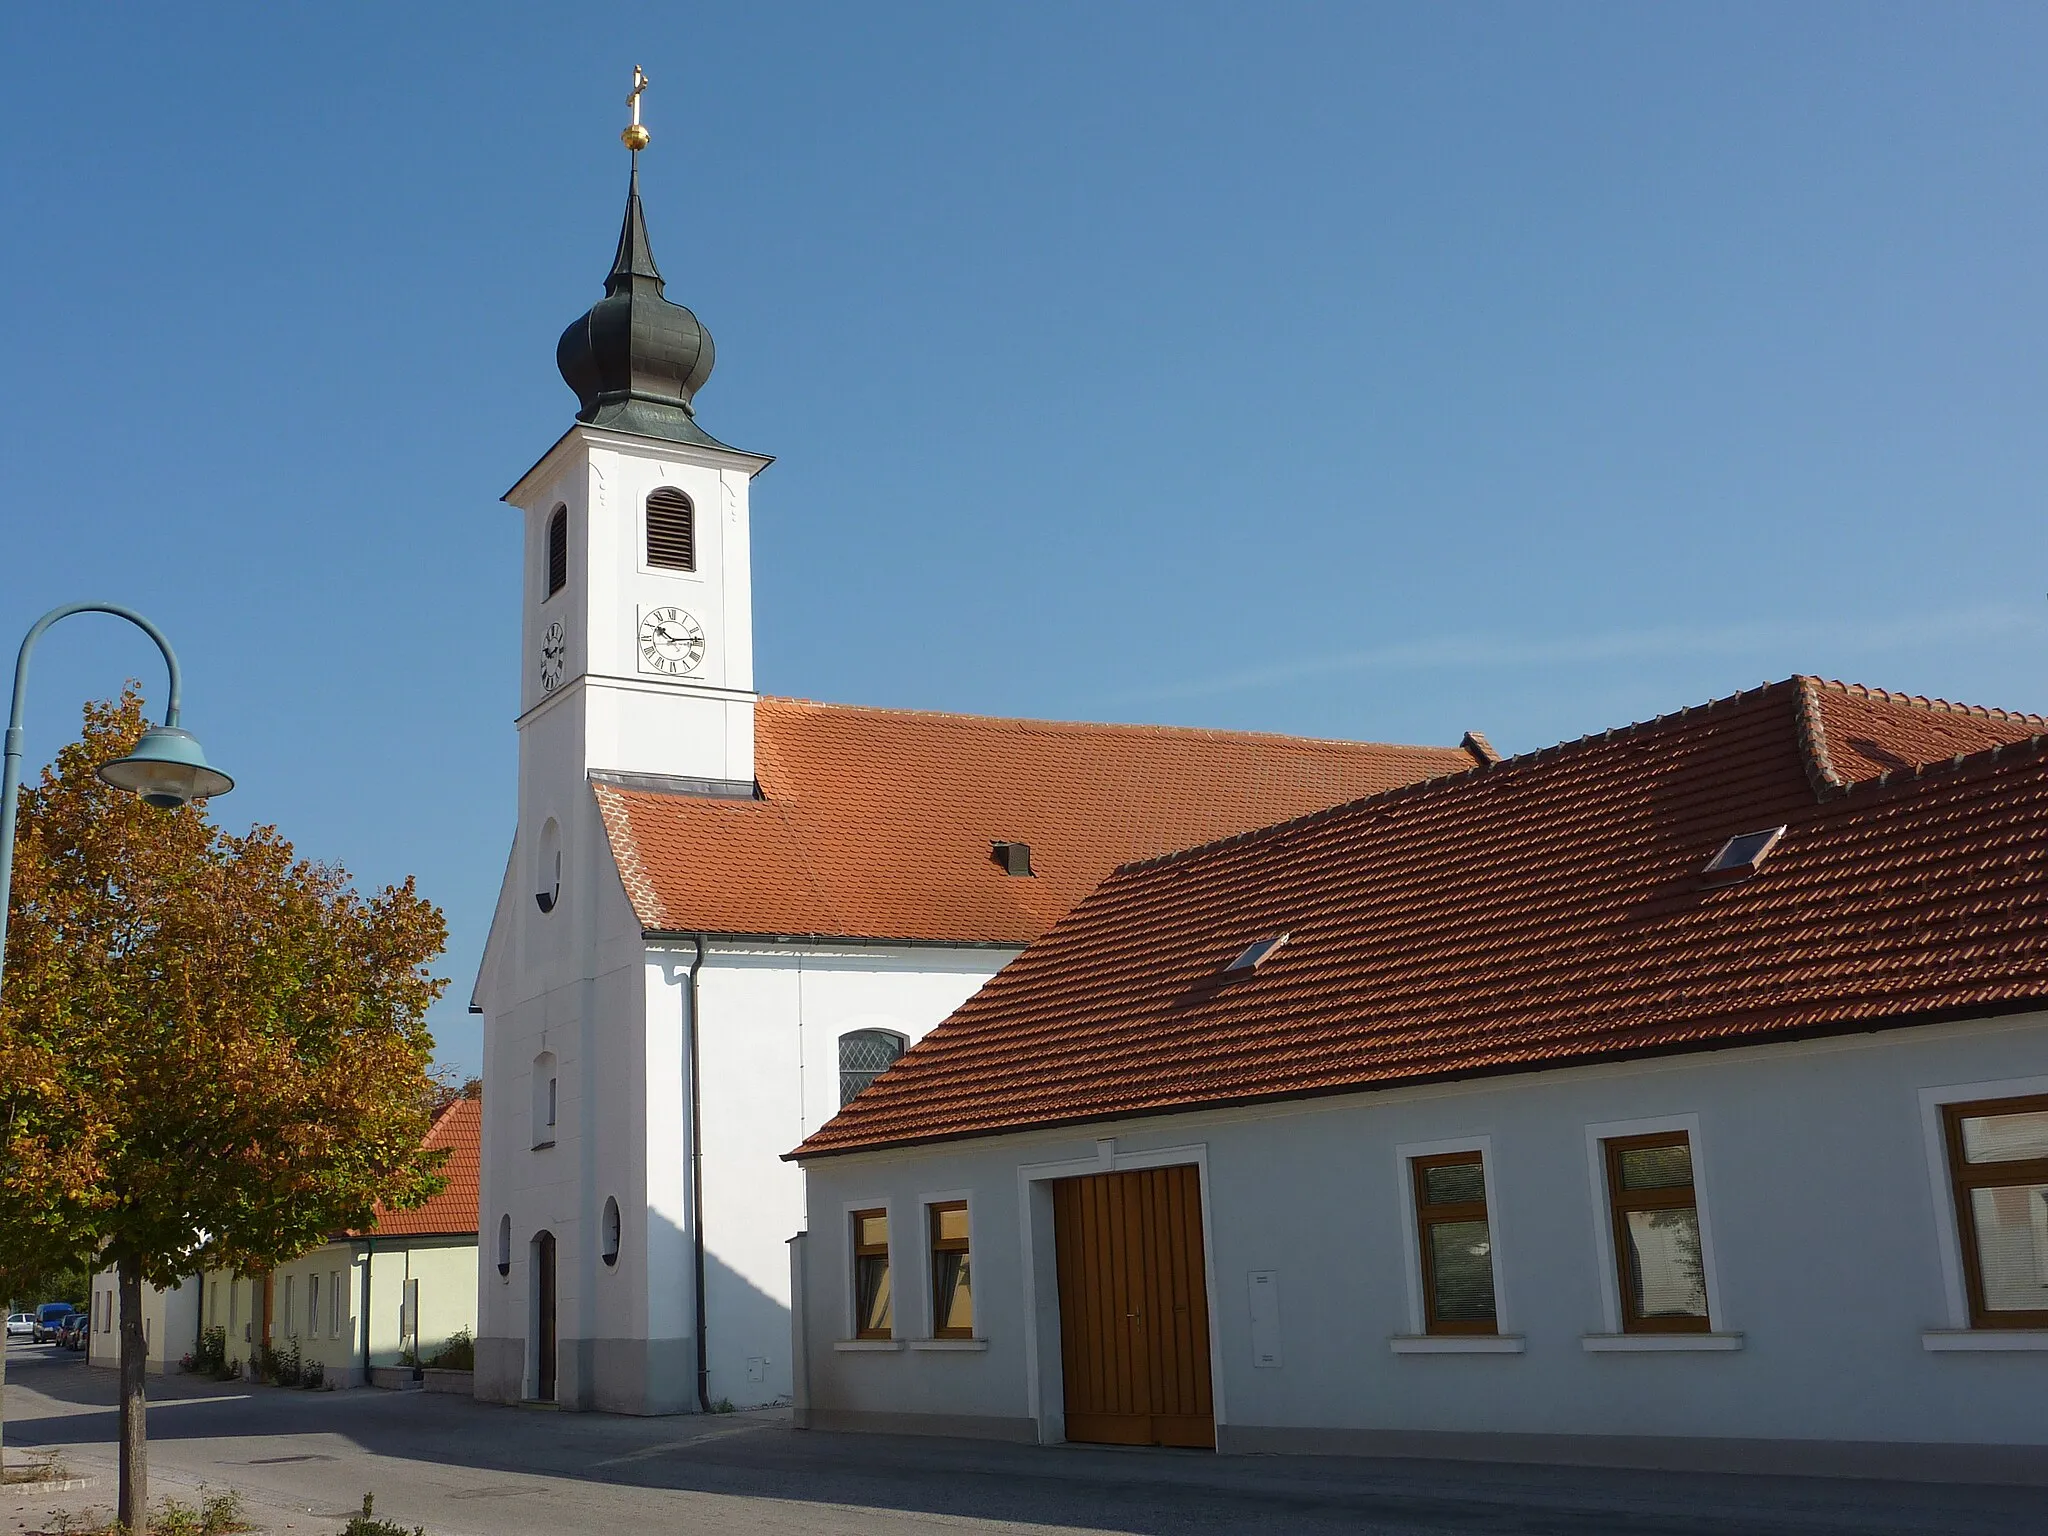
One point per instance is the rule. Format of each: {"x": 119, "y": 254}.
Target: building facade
{"x": 1674, "y": 1098}
{"x": 724, "y": 913}
{"x": 361, "y": 1303}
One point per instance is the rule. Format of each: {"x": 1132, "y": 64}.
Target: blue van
{"x": 48, "y": 1316}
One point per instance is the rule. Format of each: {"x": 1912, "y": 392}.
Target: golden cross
{"x": 635, "y": 136}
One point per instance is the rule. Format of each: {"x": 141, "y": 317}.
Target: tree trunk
{"x": 3, "y": 1408}
{"x": 134, "y": 1499}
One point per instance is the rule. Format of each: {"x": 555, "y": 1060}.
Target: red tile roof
{"x": 1544, "y": 911}
{"x": 877, "y": 823}
{"x": 453, "y": 1212}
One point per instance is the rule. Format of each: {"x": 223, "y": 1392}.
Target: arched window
{"x": 609, "y": 1245}
{"x": 671, "y": 530}
{"x": 558, "y": 551}
{"x": 547, "y": 874}
{"x": 544, "y": 1099}
{"x": 504, "y": 1246}
{"x": 864, "y": 1055}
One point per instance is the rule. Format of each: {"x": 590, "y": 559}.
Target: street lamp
{"x": 167, "y": 769}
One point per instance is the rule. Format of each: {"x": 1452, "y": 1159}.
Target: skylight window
{"x": 1256, "y": 954}
{"x": 1740, "y": 857}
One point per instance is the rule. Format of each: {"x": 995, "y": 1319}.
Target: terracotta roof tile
{"x": 877, "y": 823}
{"x": 453, "y": 1212}
{"x": 1544, "y": 911}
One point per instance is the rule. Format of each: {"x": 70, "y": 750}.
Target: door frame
{"x": 1044, "y": 1376}
{"x": 544, "y": 1251}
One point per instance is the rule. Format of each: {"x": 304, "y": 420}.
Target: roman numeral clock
{"x": 671, "y": 641}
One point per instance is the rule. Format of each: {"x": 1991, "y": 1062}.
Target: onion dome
{"x": 635, "y": 359}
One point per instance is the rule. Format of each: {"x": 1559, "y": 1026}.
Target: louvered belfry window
{"x": 558, "y": 550}
{"x": 671, "y": 530}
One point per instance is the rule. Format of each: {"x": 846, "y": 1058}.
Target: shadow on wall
{"x": 749, "y": 1358}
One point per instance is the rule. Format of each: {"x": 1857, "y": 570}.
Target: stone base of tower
{"x": 637, "y": 1376}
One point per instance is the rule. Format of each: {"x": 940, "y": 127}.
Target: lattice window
{"x": 864, "y": 1055}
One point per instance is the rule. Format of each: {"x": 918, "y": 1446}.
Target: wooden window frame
{"x": 1429, "y": 1214}
{"x": 556, "y": 556}
{"x": 861, "y": 1250}
{"x": 1620, "y": 1202}
{"x": 673, "y": 504}
{"x": 942, "y": 1245}
{"x": 1965, "y": 1176}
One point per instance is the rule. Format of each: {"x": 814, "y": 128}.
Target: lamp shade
{"x": 167, "y": 769}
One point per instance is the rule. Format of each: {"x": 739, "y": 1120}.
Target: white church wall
{"x": 772, "y": 1017}
{"x": 1830, "y": 1258}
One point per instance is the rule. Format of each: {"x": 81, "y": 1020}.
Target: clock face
{"x": 670, "y": 641}
{"x": 554, "y": 654}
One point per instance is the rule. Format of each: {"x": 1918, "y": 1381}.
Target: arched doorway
{"x": 543, "y": 1332}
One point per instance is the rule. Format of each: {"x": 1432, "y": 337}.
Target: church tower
{"x": 636, "y": 667}
{"x": 637, "y": 634}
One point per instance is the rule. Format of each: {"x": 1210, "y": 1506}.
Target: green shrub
{"x": 458, "y": 1354}
{"x": 366, "y": 1524}
{"x": 210, "y": 1358}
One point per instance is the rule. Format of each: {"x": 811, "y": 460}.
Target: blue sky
{"x": 1345, "y": 370}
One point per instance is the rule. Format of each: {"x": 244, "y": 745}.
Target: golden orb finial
{"x": 635, "y": 137}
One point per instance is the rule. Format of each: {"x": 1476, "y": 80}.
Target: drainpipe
{"x": 697, "y": 1187}
{"x": 369, "y": 1251}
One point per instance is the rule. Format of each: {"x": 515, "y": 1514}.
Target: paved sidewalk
{"x": 303, "y": 1461}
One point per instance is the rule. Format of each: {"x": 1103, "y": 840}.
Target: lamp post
{"x": 167, "y": 769}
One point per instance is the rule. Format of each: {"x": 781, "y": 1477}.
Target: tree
{"x": 212, "y": 1052}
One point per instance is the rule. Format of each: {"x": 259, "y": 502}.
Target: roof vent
{"x": 1015, "y": 858}
{"x": 1741, "y": 857}
{"x": 1256, "y": 954}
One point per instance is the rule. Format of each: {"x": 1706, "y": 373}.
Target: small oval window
{"x": 610, "y": 1252}
{"x": 504, "y": 1245}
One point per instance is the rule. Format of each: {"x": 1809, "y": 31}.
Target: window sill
{"x": 1456, "y": 1343}
{"x": 1659, "y": 1343}
{"x": 950, "y": 1346}
{"x": 867, "y": 1346}
{"x": 541, "y": 1146}
{"x": 1983, "y": 1340}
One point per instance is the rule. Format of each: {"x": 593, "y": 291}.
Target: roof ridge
{"x": 1922, "y": 701}
{"x": 1813, "y": 743}
{"x": 1543, "y": 755}
{"x": 1134, "y": 727}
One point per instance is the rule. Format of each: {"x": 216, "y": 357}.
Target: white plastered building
{"x": 723, "y": 913}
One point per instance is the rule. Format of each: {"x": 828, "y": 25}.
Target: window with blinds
{"x": 671, "y": 530}
{"x": 558, "y": 551}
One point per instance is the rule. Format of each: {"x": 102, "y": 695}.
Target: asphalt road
{"x": 303, "y": 1461}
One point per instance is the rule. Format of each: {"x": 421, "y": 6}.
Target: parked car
{"x": 74, "y": 1331}
{"x": 21, "y": 1325}
{"x": 49, "y": 1318}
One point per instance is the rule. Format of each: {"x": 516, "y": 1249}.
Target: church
{"x": 723, "y": 914}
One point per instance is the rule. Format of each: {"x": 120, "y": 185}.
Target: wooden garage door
{"x": 1134, "y": 1311}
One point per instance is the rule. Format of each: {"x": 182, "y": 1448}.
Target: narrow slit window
{"x": 952, "y": 1274}
{"x": 1657, "y": 1245}
{"x": 558, "y": 551}
{"x": 671, "y": 530}
{"x": 1998, "y": 1167}
{"x": 1740, "y": 857}
{"x": 873, "y": 1307}
{"x": 609, "y": 1251}
{"x": 1456, "y": 1240}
